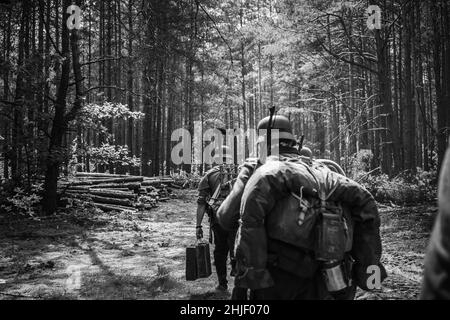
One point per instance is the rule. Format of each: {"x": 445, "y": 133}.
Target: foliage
{"x": 112, "y": 155}
{"x": 94, "y": 116}
{"x": 359, "y": 165}
{"x": 403, "y": 189}
{"x": 23, "y": 202}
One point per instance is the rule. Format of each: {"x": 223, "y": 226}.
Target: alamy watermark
{"x": 74, "y": 280}
{"x": 374, "y": 280}
{"x": 74, "y": 21}
{"x": 207, "y": 147}
{"x": 374, "y": 18}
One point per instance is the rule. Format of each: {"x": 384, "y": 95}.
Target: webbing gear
{"x": 331, "y": 241}
{"x": 303, "y": 205}
{"x": 217, "y": 191}
{"x": 215, "y": 196}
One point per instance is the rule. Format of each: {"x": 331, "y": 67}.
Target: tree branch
{"x": 347, "y": 60}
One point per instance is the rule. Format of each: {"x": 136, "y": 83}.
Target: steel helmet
{"x": 280, "y": 123}
{"x": 306, "y": 152}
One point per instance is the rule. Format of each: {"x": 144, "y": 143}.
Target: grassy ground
{"x": 92, "y": 255}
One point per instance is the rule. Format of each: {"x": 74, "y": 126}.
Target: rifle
{"x": 300, "y": 144}
{"x": 269, "y": 131}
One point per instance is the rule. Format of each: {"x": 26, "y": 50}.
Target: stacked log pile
{"x": 111, "y": 192}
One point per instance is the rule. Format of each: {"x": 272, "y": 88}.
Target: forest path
{"x": 92, "y": 255}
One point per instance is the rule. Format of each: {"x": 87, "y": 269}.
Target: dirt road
{"x": 94, "y": 255}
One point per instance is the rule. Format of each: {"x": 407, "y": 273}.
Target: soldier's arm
{"x": 204, "y": 191}
{"x": 201, "y": 210}
{"x": 436, "y": 283}
{"x": 228, "y": 213}
{"x": 367, "y": 247}
{"x": 264, "y": 188}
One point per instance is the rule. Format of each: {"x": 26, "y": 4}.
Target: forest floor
{"x": 142, "y": 256}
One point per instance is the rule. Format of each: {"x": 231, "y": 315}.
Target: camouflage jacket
{"x": 271, "y": 183}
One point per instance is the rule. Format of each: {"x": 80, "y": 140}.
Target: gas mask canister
{"x": 330, "y": 251}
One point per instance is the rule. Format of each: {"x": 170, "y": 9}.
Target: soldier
{"x": 213, "y": 189}
{"x": 228, "y": 213}
{"x": 436, "y": 283}
{"x": 306, "y": 152}
{"x": 277, "y": 254}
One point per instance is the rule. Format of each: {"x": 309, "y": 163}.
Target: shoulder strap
{"x": 216, "y": 193}
{"x": 321, "y": 193}
{"x": 217, "y": 190}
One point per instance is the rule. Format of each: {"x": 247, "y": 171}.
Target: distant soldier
{"x": 286, "y": 205}
{"x": 213, "y": 189}
{"x": 436, "y": 283}
{"x": 306, "y": 152}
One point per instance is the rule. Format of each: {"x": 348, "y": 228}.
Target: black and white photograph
{"x": 249, "y": 151}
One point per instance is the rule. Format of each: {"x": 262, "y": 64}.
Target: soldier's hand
{"x": 199, "y": 233}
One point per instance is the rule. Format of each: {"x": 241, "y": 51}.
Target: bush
{"x": 21, "y": 201}
{"x": 105, "y": 155}
{"x": 93, "y": 117}
{"x": 359, "y": 164}
{"x": 187, "y": 180}
{"x": 113, "y": 155}
{"x": 404, "y": 189}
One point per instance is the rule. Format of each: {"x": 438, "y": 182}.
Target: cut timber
{"x": 115, "y": 192}
{"x": 111, "y": 193}
{"x": 101, "y": 200}
{"x": 107, "y": 181}
{"x": 81, "y": 189}
{"x": 158, "y": 178}
{"x": 156, "y": 181}
{"x": 99, "y": 175}
{"x": 105, "y": 200}
{"x": 115, "y": 189}
{"x": 130, "y": 186}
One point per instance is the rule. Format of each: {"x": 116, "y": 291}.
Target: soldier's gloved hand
{"x": 199, "y": 232}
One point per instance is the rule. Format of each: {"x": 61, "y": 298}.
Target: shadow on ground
{"x": 141, "y": 256}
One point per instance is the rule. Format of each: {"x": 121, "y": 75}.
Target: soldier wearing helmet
{"x": 279, "y": 201}
{"x": 213, "y": 188}
{"x": 306, "y": 152}
{"x": 228, "y": 213}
